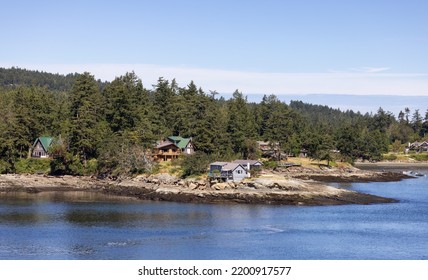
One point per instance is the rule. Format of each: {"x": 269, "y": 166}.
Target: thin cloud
{"x": 370, "y": 69}
{"x": 376, "y": 69}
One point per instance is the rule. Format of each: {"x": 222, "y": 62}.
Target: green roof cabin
{"x": 185, "y": 144}
{"x": 41, "y": 146}
{"x": 172, "y": 147}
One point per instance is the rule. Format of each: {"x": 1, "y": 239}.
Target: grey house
{"x": 228, "y": 171}
{"x": 248, "y": 163}
{"x": 419, "y": 146}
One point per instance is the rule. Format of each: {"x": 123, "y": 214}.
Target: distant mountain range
{"x": 357, "y": 103}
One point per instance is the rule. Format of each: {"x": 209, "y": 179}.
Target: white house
{"x": 228, "y": 171}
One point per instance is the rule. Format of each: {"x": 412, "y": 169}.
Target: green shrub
{"x": 270, "y": 164}
{"x": 389, "y": 157}
{"x": 5, "y": 167}
{"x": 195, "y": 164}
{"x": 420, "y": 157}
{"x": 32, "y": 165}
{"x": 76, "y": 166}
{"x": 91, "y": 167}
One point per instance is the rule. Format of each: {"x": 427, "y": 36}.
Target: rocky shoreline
{"x": 295, "y": 186}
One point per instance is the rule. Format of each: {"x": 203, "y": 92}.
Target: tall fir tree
{"x": 87, "y": 123}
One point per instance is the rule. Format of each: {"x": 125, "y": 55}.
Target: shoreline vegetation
{"x": 290, "y": 186}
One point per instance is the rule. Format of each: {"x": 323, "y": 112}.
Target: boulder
{"x": 165, "y": 178}
{"x": 193, "y": 186}
{"x": 231, "y": 184}
{"x": 254, "y": 185}
{"x": 220, "y": 186}
{"x": 201, "y": 182}
{"x": 181, "y": 183}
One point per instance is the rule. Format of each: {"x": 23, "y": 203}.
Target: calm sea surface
{"x": 93, "y": 226}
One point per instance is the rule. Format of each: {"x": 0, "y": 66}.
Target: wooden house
{"x": 40, "y": 147}
{"x": 268, "y": 149}
{"x": 166, "y": 151}
{"x": 227, "y": 171}
{"x": 185, "y": 144}
{"x": 172, "y": 147}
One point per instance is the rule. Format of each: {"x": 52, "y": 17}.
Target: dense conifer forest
{"x": 110, "y": 127}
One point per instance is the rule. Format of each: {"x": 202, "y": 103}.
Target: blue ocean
{"x": 90, "y": 226}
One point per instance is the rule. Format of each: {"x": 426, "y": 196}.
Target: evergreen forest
{"x": 106, "y": 128}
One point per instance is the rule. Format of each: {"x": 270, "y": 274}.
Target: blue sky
{"x": 281, "y": 47}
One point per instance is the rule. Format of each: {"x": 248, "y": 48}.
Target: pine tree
{"x": 121, "y": 102}
{"x": 87, "y": 124}
{"x": 241, "y": 124}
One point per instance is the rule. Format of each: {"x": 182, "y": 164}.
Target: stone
{"x": 165, "y": 178}
{"x": 219, "y": 186}
{"x": 181, "y": 183}
{"x": 231, "y": 184}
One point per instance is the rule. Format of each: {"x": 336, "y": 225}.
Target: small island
{"x": 291, "y": 186}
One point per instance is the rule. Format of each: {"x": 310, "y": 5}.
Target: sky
{"x": 361, "y": 47}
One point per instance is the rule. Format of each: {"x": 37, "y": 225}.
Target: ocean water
{"x": 92, "y": 226}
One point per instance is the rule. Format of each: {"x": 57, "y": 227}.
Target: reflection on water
{"x": 79, "y": 225}
{"x": 22, "y": 198}
{"x": 23, "y": 218}
{"x": 89, "y": 217}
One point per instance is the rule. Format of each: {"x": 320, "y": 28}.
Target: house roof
{"x": 45, "y": 141}
{"x": 418, "y": 144}
{"x": 227, "y": 166}
{"x": 221, "y": 163}
{"x": 179, "y": 141}
{"x": 183, "y": 143}
{"x": 267, "y": 146}
{"x": 245, "y": 161}
{"x": 165, "y": 144}
{"x": 230, "y": 166}
{"x": 175, "y": 138}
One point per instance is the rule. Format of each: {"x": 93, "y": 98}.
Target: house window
{"x": 239, "y": 171}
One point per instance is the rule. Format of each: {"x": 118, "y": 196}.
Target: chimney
{"x": 248, "y": 170}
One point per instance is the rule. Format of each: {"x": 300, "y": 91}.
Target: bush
{"x": 389, "y": 157}
{"x": 270, "y": 164}
{"x": 91, "y": 167}
{"x": 195, "y": 164}
{"x": 5, "y": 167}
{"x": 420, "y": 157}
{"x": 32, "y": 165}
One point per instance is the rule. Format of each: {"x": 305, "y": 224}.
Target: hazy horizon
{"x": 357, "y": 103}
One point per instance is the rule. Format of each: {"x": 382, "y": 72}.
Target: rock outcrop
{"x": 283, "y": 189}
